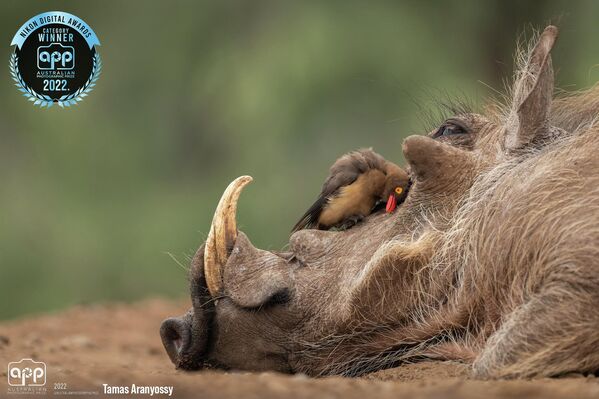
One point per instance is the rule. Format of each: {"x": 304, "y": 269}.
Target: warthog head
{"x": 388, "y": 289}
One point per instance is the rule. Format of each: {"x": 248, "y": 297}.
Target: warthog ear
{"x": 533, "y": 92}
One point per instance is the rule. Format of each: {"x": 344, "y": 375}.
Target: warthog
{"x": 493, "y": 259}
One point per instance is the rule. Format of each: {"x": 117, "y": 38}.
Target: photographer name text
{"x": 137, "y": 390}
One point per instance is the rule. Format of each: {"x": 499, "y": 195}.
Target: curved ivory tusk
{"x": 223, "y": 233}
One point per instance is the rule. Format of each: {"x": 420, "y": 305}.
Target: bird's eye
{"x": 398, "y": 190}
{"x": 449, "y": 129}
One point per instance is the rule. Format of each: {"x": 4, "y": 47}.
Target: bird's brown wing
{"x": 344, "y": 172}
{"x": 347, "y": 168}
{"x": 310, "y": 218}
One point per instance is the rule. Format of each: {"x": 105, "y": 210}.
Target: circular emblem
{"x": 55, "y": 59}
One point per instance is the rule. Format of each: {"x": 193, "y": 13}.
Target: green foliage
{"x": 194, "y": 94}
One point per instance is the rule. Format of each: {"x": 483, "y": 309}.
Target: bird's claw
{"x": 349, "y": 222}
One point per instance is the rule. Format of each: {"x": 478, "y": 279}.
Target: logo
{"x": 55, "y": 59}
{"x": 27, "y": 373}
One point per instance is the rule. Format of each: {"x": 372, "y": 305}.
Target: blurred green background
{"x": 102, "y": 201}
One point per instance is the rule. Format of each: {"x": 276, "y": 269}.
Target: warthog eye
{"x": 450, "y": 128}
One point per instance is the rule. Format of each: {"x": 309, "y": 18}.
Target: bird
{"x": 359, "y": 182}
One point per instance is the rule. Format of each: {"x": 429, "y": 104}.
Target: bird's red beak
{"x": 391, "y": 203}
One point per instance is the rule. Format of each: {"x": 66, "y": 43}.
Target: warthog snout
{"x": 176, "y": 337}
{"x": 185, "y": 339}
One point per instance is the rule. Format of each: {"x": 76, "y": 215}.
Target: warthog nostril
{"x": 176, "y": 337}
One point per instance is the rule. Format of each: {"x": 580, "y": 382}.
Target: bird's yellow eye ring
{"x": 398, "y": 190}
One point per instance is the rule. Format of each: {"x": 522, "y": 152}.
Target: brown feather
{"x": 355, "y": 183}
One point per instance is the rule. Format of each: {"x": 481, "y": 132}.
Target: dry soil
{"x": 118, "y": 344}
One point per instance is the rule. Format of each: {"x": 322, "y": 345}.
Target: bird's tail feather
{"x": 310, "y": 218}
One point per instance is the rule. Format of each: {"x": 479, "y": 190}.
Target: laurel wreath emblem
{"x": 44, "y": 100}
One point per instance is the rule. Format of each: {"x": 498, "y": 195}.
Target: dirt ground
{"x": 88, "y": 346}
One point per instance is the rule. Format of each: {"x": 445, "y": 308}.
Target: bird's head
{"x": 396, "y": 187}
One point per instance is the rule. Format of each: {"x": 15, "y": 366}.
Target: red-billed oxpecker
{"x": 358, "y": 184}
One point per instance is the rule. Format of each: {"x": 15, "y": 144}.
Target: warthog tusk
{"x": 223, "y": 234}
